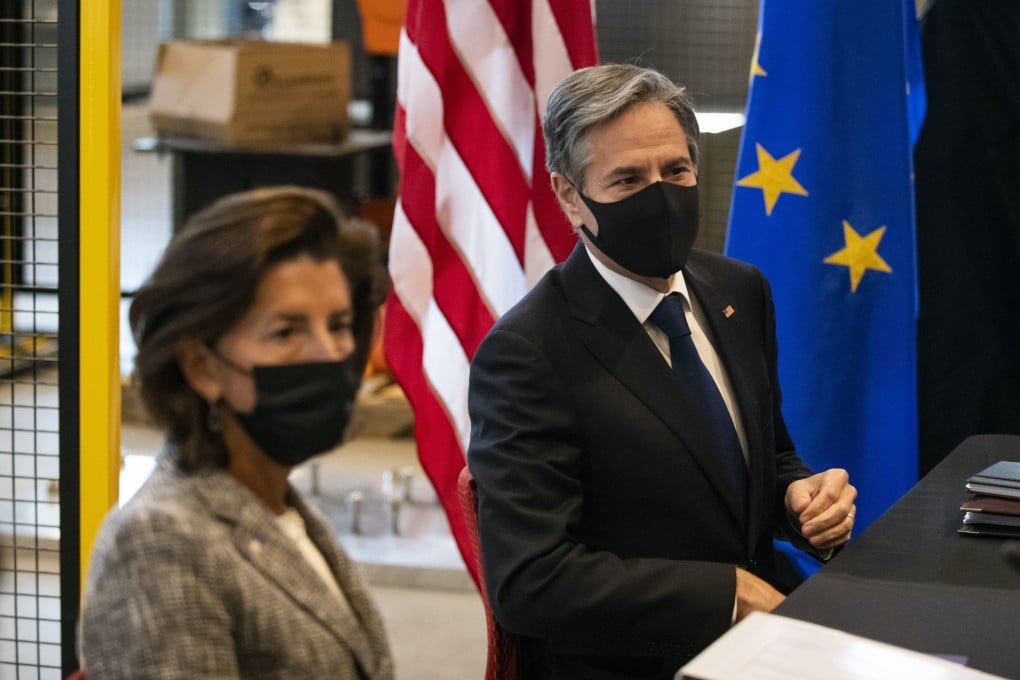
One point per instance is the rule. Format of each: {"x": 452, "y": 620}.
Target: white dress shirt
{"x": 642, "y": 301}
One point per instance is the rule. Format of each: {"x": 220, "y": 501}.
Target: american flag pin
{"x": 728, "y": 312}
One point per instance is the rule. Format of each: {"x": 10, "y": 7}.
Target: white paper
{"x": 772, "y": 647}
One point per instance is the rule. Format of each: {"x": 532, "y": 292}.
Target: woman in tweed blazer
{"x": 216, "y": 568}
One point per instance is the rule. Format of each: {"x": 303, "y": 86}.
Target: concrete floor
{"x": 434, "y": 635}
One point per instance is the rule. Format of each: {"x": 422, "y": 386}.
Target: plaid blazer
{"x": 192, "y": 578}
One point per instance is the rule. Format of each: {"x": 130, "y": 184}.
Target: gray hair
{"x": 596, "y": 95}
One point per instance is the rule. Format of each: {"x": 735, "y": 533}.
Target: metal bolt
{"x": 356, "y": 498}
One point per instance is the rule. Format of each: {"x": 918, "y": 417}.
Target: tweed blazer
{"x": 192, "y": 578}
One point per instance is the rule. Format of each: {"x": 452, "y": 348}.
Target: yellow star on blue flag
{"x": 756, "y": 69}
{"x": 774, "y": 177}
{"x": 828, "y": 142}
{"x": 859, "y": 254}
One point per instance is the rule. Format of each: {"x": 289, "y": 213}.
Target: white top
{"x": 293, "y": 527}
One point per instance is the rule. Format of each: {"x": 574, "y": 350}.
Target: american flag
{"x": 476, "y": 223}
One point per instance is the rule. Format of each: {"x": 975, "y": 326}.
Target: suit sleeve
{"x": 150, "y": 610}
{"x": 526, "y": 456}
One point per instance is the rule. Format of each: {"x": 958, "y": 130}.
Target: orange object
{"x": 376, "y": 360}
{"x": 380, "y": 25}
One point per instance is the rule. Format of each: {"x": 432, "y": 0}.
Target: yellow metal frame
{"x": 99, "y": 285}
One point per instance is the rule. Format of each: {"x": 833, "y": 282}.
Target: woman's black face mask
{"x": 301, "y": 410}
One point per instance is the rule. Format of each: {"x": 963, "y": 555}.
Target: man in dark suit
{"x": 631, "y": 458}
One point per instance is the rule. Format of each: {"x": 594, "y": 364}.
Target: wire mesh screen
{"x": 30, "y": 632}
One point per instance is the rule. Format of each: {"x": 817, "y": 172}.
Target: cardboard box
{"x": 251, "y": 92}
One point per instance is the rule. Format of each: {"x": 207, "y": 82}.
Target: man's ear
{"x": 568, "y": 197}
{"x": 200, "y": 370}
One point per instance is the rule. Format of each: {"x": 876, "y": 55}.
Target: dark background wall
{"x": 968, "y": 225}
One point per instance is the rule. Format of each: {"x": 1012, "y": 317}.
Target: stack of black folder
{"x": 994, "y": 507}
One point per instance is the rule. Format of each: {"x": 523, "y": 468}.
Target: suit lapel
{"x": 257, "y": 538}
{"x": 725, "y": 332}
{"x": 621, "y": 344}
{"x": 368, "y": 627}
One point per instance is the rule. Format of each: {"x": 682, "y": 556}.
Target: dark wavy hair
{"x": 206, "y": 281}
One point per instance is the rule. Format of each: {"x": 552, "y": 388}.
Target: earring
{"x": 212, "y": 418}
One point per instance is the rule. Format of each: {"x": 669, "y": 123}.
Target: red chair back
{"x": 503, "y": 660}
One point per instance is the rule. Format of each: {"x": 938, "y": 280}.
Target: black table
{"x": 911, "y": 580}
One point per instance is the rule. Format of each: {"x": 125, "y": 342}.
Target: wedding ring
{"x": 850, "y": 516}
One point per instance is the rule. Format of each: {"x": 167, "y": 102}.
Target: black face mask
{"x": 300, "y": 409}
{"x": 649, "y": 233}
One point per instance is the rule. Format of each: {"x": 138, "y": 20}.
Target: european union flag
{"x": 823, "y": 205}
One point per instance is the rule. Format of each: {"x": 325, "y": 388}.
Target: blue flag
{"x": 823, "y": 205}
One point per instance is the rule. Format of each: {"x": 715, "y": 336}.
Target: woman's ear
{"x": 201, "y": 370}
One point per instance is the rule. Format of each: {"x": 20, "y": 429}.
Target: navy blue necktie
{"x": 695, "y": 379}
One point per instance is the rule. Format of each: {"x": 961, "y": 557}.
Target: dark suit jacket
{"x": 606, "y": 538}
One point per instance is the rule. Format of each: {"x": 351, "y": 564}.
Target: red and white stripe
{"x": 476, "y": 223}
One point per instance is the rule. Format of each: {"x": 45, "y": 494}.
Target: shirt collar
{"x": 639, "y": 298}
